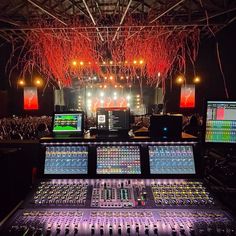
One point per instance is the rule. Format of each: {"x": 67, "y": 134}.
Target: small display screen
{"x": 67, "y": 123}
{"x": 66, "y": 160}
{"x": 118, "y": 160}
{"x": 171, "y": 160}
{"x": 113, "y": 119}
{"x": 221, "y": 122}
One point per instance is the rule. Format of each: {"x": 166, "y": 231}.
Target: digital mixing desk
{"x": 120, "y": 188}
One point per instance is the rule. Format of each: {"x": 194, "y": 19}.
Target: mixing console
{"x": 125, "y": 205}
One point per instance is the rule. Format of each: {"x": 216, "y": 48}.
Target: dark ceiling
{"x": 111, "y": 15}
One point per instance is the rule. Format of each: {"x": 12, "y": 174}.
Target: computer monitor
{"x": 171, "y": 160}
{"x": 114, "y": 119}
{"x": 118, "y": 160}
{"x": 166, "y": 126}
{"x": 68, "y": 123}
{"x": 66, "y": 160}
{"x": 220, "y": 122}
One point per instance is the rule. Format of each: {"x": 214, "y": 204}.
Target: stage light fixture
{"x": 38, "y": 81}
{"x": 105, "y": 86}
{"x": 180, "y": 79}
{"x": 115, "y": 86}
{"x": 74, "y": 63}
{"x": 128, "y": 97}
{"x": 104, "y": 63}
{"x": 89, "y": 94}
{"x": 122, "y": 77}
{"x": 126, "y": 62}
{"x": 81, "y": 63}
{"x": 94, "y": 78}
{"x": 197, "y": 80}
{"x": 21, "y": 82}
{"x": 111, "y": 77}
{"x": 111, "y": 62}
{"x": 135, "y": 62}
{"x": 127, "y": 77}
{"x": 137, "y": 95}
{"x": 141, "y": 62}
{"x": 159, "y": 74}
{"x": 89, "y": 63}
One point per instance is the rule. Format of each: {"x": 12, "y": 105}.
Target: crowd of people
{"x": 30, "y": 128}
{"x": 22, "y": 128}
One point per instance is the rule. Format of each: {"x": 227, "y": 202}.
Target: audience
{"x": 24, "y": 127}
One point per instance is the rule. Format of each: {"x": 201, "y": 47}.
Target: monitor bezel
{"x": 69, "y": 133}
{"x": 213, "y": 144}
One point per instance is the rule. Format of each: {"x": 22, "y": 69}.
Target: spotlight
{"x": 81, "y": 63}
{"x": 89, "y": 63}
{"x": 126, "y": 62}
{"x": 105, "y": 86}
{"x": 104, "y": 63}
{"x": 102, "y": 94}
{"x": 159, "y": 74}
{"x": 122, "y": 77}
{"x": 115, "y": 93}
{"x": 89, "y": 94}
{"x": 137, "y": 95}
{"x": 21, "y": 82}
{"x": 141, "y": 62}
{"x": 38, "y": 82}
{"x": 111, "y": 62}
{"x": 128, "y": 97}
{"x": 111, "y": 77}
{"x": 74, "y": 63}
{"x": 115, "y": 86}
{"x": 135, "y": 62}
{"x": 180, "y": 79}
{"x": 197, "y": 80}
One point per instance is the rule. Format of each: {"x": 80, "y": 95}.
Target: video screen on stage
{"x": 171, "y": 160}
{"x": 118, "y": 160}
{"x": 113, "y": 119}
{"x": 220, "y": 122}
{"x": 66, "y": 160}
{"x": 68, "y": 123}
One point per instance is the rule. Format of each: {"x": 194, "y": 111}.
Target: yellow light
{"x": 111, "y": 77}
{"x": 141, "y": 62}
{"x": 104, "y": 63}
{"x": 197, "y": 80}
{"x": 126, "y": 62}
{"x": 105, "y": 86}
{"x": 159, "y": 74}
{"x": 38, "y": 81}
{"x": 74, "y": 63}
{"x": 135, "y": 62}
{"x": 111, "y": 62}
{"x": 21, "y": 82}
{"x": 137, "y": 95}
{"x": 100, "y": 86}
{"x": 130, "y": 86}
{"x": 81, "y": 63}
{"x": 105, "y": 77}
{"x": 122, "y": 77}
{"x": 115, "y": 86}
{"x": 89, "y": 63}
{"x": 180, "y": 79}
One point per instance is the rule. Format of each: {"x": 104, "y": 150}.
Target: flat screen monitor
{"x": 66, "y": 160}
{"x": 171, "y": 159}
{"x": 166, "y": 126}
{"x": 118, "y": 160}
{"x": 113, "y": 119}
{"x": 68, "y": 123}
{"x": 220, "y": 122}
